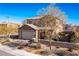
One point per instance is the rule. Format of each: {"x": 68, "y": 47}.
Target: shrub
{"x": 70, "y": 50}
{"x": 60, "y": 53}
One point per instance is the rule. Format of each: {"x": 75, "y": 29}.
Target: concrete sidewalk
{"x": 15, "y": 52}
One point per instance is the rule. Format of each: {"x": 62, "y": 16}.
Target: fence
{"x": 61, "y": 44}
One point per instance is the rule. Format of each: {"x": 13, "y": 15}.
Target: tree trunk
{"x": 50, "y": 44}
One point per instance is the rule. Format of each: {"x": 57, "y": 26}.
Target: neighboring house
{"x": 8, "y": 28}
{"x": 70, "y": 27}
{"x": 32, "y": 27}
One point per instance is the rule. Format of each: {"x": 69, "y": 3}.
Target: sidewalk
{"x": 16, "y": 52}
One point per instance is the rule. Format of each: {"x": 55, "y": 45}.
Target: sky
{"x": 17, "y": 12}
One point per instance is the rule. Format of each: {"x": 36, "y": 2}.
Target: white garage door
{"x": 27, "y": 34}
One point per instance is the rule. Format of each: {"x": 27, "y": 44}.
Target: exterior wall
{"x": 3, "y": 29}
{"x": 12, "y": 28}
{"x": 8, "y": 28}
{"x": 59, "y": 25}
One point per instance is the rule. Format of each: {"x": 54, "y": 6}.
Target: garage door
{"x": 27, "y": 34}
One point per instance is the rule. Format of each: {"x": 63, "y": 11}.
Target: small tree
{"x": 55, "y": 20}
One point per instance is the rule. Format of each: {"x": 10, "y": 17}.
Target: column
{"x": 37, "y": 34}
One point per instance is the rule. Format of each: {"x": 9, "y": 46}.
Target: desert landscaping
{"x": 46, "y": 34}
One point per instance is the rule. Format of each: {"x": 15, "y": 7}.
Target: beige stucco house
{"x": 31, "y": 29}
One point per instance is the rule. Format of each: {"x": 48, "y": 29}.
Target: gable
{"x": 26, "y": 27}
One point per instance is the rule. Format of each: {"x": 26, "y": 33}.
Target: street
{"x": 2, "y": 53}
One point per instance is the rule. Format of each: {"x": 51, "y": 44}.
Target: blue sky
{"x": 19, "y": 12}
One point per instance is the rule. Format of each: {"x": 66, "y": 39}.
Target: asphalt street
{"x": 2, "y": 53}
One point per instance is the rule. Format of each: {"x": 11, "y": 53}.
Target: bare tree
{"x": 51, "y": 9}
{"x": 54, "y": 19}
